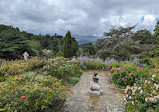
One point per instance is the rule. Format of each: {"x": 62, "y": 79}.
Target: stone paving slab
{"x": 78, "y": 99}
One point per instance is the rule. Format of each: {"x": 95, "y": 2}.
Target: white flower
{"x": 156, "y": 96}
{"x": 154, "y": 76}
{"x": 134, "y": 84}
{"x": 135, "y": 87}
{"x": 141, "y": 91}
{"x": 152, "y": 79}
{"x": 145, "y": 81}
{"x": 124, "y": 98}
{"x": 139, "y": 88}
{"x": 125, "y": 90}
{"x": 133, "y": 102}
{"x": 152, "y": 99}
{"x": 130, "y": 97}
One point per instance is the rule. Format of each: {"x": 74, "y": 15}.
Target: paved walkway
{"x": 78, "y": 99}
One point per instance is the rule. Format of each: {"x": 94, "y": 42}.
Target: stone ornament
{"x": 95, "y": 87}
{"x": 26, "y": 55}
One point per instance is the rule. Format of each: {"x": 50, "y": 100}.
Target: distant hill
{"x": 86, "y": 39}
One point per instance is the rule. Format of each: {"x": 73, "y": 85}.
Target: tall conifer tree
{"x": 67, "y": 45}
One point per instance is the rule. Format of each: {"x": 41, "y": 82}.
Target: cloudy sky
{"x": 81, "y": 17}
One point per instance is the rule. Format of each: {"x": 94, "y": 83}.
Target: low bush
{"x": 31, "y": 93}
{"x": 20, "y": 66}
{"x": 94, "y": 65}
{"x": 141, "y": 84}
{"x": 62, "y": 68}
{"x": 144, "y": 94}
{"x": 128, "y": 73}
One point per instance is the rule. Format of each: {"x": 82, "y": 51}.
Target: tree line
{"x": 13, "y": 43}
{"x": 125, "y": 44}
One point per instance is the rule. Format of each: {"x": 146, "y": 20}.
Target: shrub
{"x": 30, "y": 93}
{"x": 144, "y": 95}
{"x": 128, "y": 73}
{"x": 62, "y": 68}
{"x": 94, "y": 65}
{"x": 20, "y": 66}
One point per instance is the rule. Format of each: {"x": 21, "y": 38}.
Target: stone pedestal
{"x": 95, "y": 87}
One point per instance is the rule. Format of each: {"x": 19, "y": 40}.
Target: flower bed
{"x": 30, "y": 93}
{"x": 20, "y": 66}
{"x": 141, "y": 86}
{"x": 63, "y": 69}
{"x": 124, "y": 74}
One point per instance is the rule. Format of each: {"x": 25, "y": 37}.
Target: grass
{"x": 74, "y": 79}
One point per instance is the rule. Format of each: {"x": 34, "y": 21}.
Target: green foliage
{"x": 48, "y": 53}
{"x": 156, "y": 30}
{"x": 129, "y": 107}
{"x": 141, "y": 84}
{"x": 3, "y": 78}
{"x": 74, "y": 47}
{"x": 30, "y": 93}
{"x": 67, "y": 45}
{"x": 144, "y": 94}
{"x": 144, "y": 37}
{"x": 88, "y": 49}
{"x": 94, "y": 65}
{"x": 70, "y": 47}
{"x": 122, "y": 43}
{"x": 13, "y": 44}
{"x": 62, "y": 68}
{"x": 36, "y": 47}
{"x": 18, "y": 67}
{"x": 73, "y": 80}
{"x": 128, "y": 73}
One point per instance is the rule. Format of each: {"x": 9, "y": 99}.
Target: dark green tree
{"x": 156, "y": 30}
{"x": 144, "y": 37}
{"x": 74, "y": 47}
{"x": 88, "y": 49}
{"x": 13, "y": 44}
{"x": 67, "y": 45}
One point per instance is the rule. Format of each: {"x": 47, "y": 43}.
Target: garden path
{"x": 78, "y": 99}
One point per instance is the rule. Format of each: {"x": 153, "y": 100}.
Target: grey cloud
{"x": 82, "y": 17}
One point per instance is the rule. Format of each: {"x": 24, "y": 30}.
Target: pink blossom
{"x": 131, "y": 77}
{"x": 149, "y": 71}
{"x": 146, "y": 99}
{"x": 141, "y": 91}
{"x": 118, "y": 69}
{"x": 130, "y": 73}
{"x": 124, "y": 67}
{"x": 22, "y": 97}
{"x": 122, "y": 78}
{"x": 125, "y": 76}
{"x": 117, "y": 81}
{"x": 145, "y": 81}
{"x": 151, "y": 99}
{"x": 125, "y": 90}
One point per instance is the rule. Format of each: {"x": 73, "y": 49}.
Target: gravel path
{"x": 78, "y": 99}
